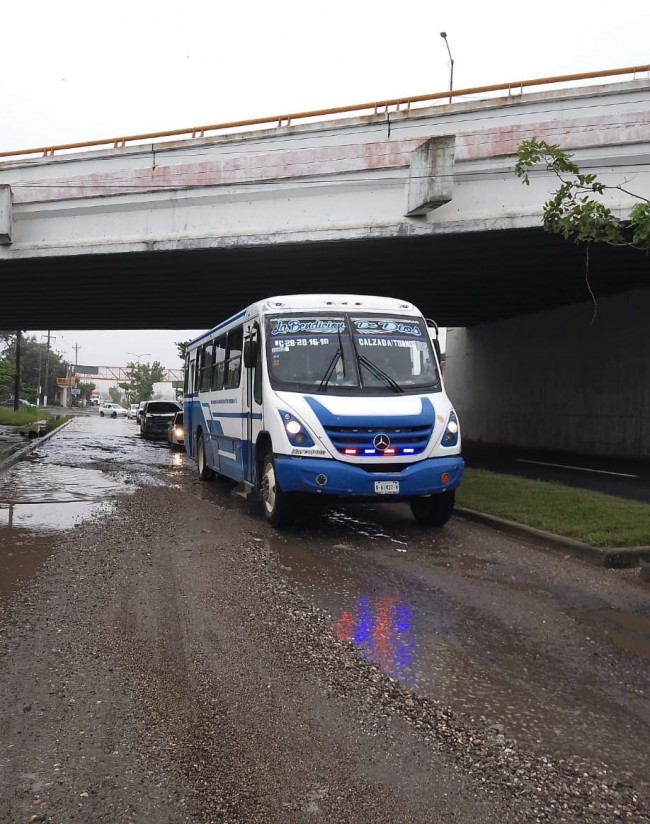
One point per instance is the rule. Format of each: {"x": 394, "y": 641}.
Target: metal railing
{"x": 397, "y": 104}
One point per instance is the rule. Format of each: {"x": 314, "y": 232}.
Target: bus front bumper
{"x": 331, "y": 477}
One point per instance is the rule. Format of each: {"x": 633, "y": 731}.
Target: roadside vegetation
{"x": 29, "y": 414}
{"x": 24, "y": 415}
{"x": 591, "y": 517}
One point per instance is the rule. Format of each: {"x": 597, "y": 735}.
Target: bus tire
{"x": 433, "y": 510}
{"x": 278, "y": 505}
{"x": 205, "y": 473}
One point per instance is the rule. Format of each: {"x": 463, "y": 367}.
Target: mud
{"x": 168, "y": 657}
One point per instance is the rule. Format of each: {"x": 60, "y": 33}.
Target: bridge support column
{"x": 430, "y": 182}
{"x": 557, "y": 381}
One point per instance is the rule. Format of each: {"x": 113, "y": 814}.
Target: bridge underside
{"x": 459, "y": 279}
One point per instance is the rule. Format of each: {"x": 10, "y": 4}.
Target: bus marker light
{"x": 349, "y": 451}
{"x": 445, "y": 478}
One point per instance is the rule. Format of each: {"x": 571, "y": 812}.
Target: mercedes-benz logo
{"x": 381, "y": 442}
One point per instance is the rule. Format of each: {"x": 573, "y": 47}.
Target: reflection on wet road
{"x": 74, "y": 476}
{"x": 440, "y": 623}
{"x": 552, "y": 655}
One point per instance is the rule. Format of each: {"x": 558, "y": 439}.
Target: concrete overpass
{"x": 418, "y": 201}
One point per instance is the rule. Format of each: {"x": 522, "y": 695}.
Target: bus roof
{"x": 321, "y": 302}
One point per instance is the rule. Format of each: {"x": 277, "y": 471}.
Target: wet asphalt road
{"x": 544, "y": 651}
{"x": 612, "y": 476}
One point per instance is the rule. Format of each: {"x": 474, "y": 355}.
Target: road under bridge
{"x": 547, "y": 348}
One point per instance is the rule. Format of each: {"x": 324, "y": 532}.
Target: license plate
{"x": 387, "y": 487}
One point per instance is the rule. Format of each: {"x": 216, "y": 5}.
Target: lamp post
{"x": 141, "y": 355}
{"x": 443, "y": 34}
{"x": 138, "y": 356}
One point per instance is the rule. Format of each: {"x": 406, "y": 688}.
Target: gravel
{"x": 160, "y": 667}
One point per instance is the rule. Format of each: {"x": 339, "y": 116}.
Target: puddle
{"x": 21, "y": 554}
{"x": 421, "y": 637}
{"x": 366, "y": 529}
{"x": 629, "y": 631}
{"x": 74, "y": 476}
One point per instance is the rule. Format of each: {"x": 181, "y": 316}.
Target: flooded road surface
{"x": 546, "y": 650}
{"x": 541, "y": 649}
{"x": 73, "y": 476}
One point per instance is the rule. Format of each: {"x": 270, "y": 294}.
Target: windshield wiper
{"x": 379, "y": 373}
{"x": 330, "y": 369}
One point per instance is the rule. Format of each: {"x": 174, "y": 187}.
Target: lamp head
{"x": 443, "y": 34}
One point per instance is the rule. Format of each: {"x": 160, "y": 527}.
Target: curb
{"x": 610, "y": 557}
{"x": 23, "y": 451}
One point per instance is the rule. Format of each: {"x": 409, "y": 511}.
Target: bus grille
{"x": 404, "y": 440}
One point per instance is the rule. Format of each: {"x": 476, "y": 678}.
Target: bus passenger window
{"x": 219, "y": 360}
{"x": 207, "y": 363}
{"x": 233, "y": 368}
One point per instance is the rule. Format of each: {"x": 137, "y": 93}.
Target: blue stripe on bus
{"x": 242, "y": 415}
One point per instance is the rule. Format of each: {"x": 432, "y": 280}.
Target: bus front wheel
{"x": 433, "y": 510}
{"x": 278, "y": 505}
{"x": 205, "y": 473}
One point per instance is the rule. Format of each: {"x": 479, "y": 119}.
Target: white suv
{"x": 112, "y": 410}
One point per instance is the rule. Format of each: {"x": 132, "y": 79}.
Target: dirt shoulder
{"x": 160, "y": 668}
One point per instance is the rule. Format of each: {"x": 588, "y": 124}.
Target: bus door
{"x": 252, "y": 398}
{"x": 189, "y": 412}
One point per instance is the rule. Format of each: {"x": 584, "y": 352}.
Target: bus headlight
{"x": 450, "y": 435}
{"x": 296, "y": 431}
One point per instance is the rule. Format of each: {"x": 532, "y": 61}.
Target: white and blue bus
{"x": 334, "y": 396}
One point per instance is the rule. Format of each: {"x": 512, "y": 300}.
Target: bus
{"x": 316, "y": 397}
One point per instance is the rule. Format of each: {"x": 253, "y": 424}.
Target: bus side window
{"x": 207, "y": 363}
{"x": 233, "y": 367}
{"x": 257, "y": 375}
{"x": 188, "y": 377}
{"x": 219, "y": 360}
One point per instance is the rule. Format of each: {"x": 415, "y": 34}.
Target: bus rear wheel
{"x": 278, "y": 505}
{"x": 205, "y": 473}
{"x": 433, "y": 510}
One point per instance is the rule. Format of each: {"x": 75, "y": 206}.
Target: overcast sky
{"x": 79, "y": 70}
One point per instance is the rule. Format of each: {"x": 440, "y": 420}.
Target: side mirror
{"x": 250, "y": 353}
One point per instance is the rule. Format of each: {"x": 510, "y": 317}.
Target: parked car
{"x": 132, "y": 414}
{"x": 176, "y": 432}
{"x": 141, "y": 406}
{"x": 156, "y": 416}
{"x": 112, "y": 410}
{"x": 21, "y": 402}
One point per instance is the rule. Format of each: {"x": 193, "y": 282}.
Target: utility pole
{"x": 74, "y": 372}
{"x": 47, "y": 368}
{"x": 17, "y": 377}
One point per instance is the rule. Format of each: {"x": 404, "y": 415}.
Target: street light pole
{"x": 141, "y": 355}
{"x": 443, "y": 34}
{"x": 138, "y": 356}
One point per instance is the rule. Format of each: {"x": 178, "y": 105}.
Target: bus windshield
{"x": 350, "y": 353}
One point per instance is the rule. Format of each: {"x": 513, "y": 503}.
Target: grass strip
{"x": 591, "y": 517}
{"x": 22, "y": 416}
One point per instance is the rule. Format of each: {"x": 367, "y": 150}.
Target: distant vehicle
{"x": 176, "y": 432}
{"x": 21, "y": 403}
{"x": 156, "y": 416}
{"x": 132, "y": 414}
{"x": 138, "y": 413}
{"x": 112, "y": 410}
